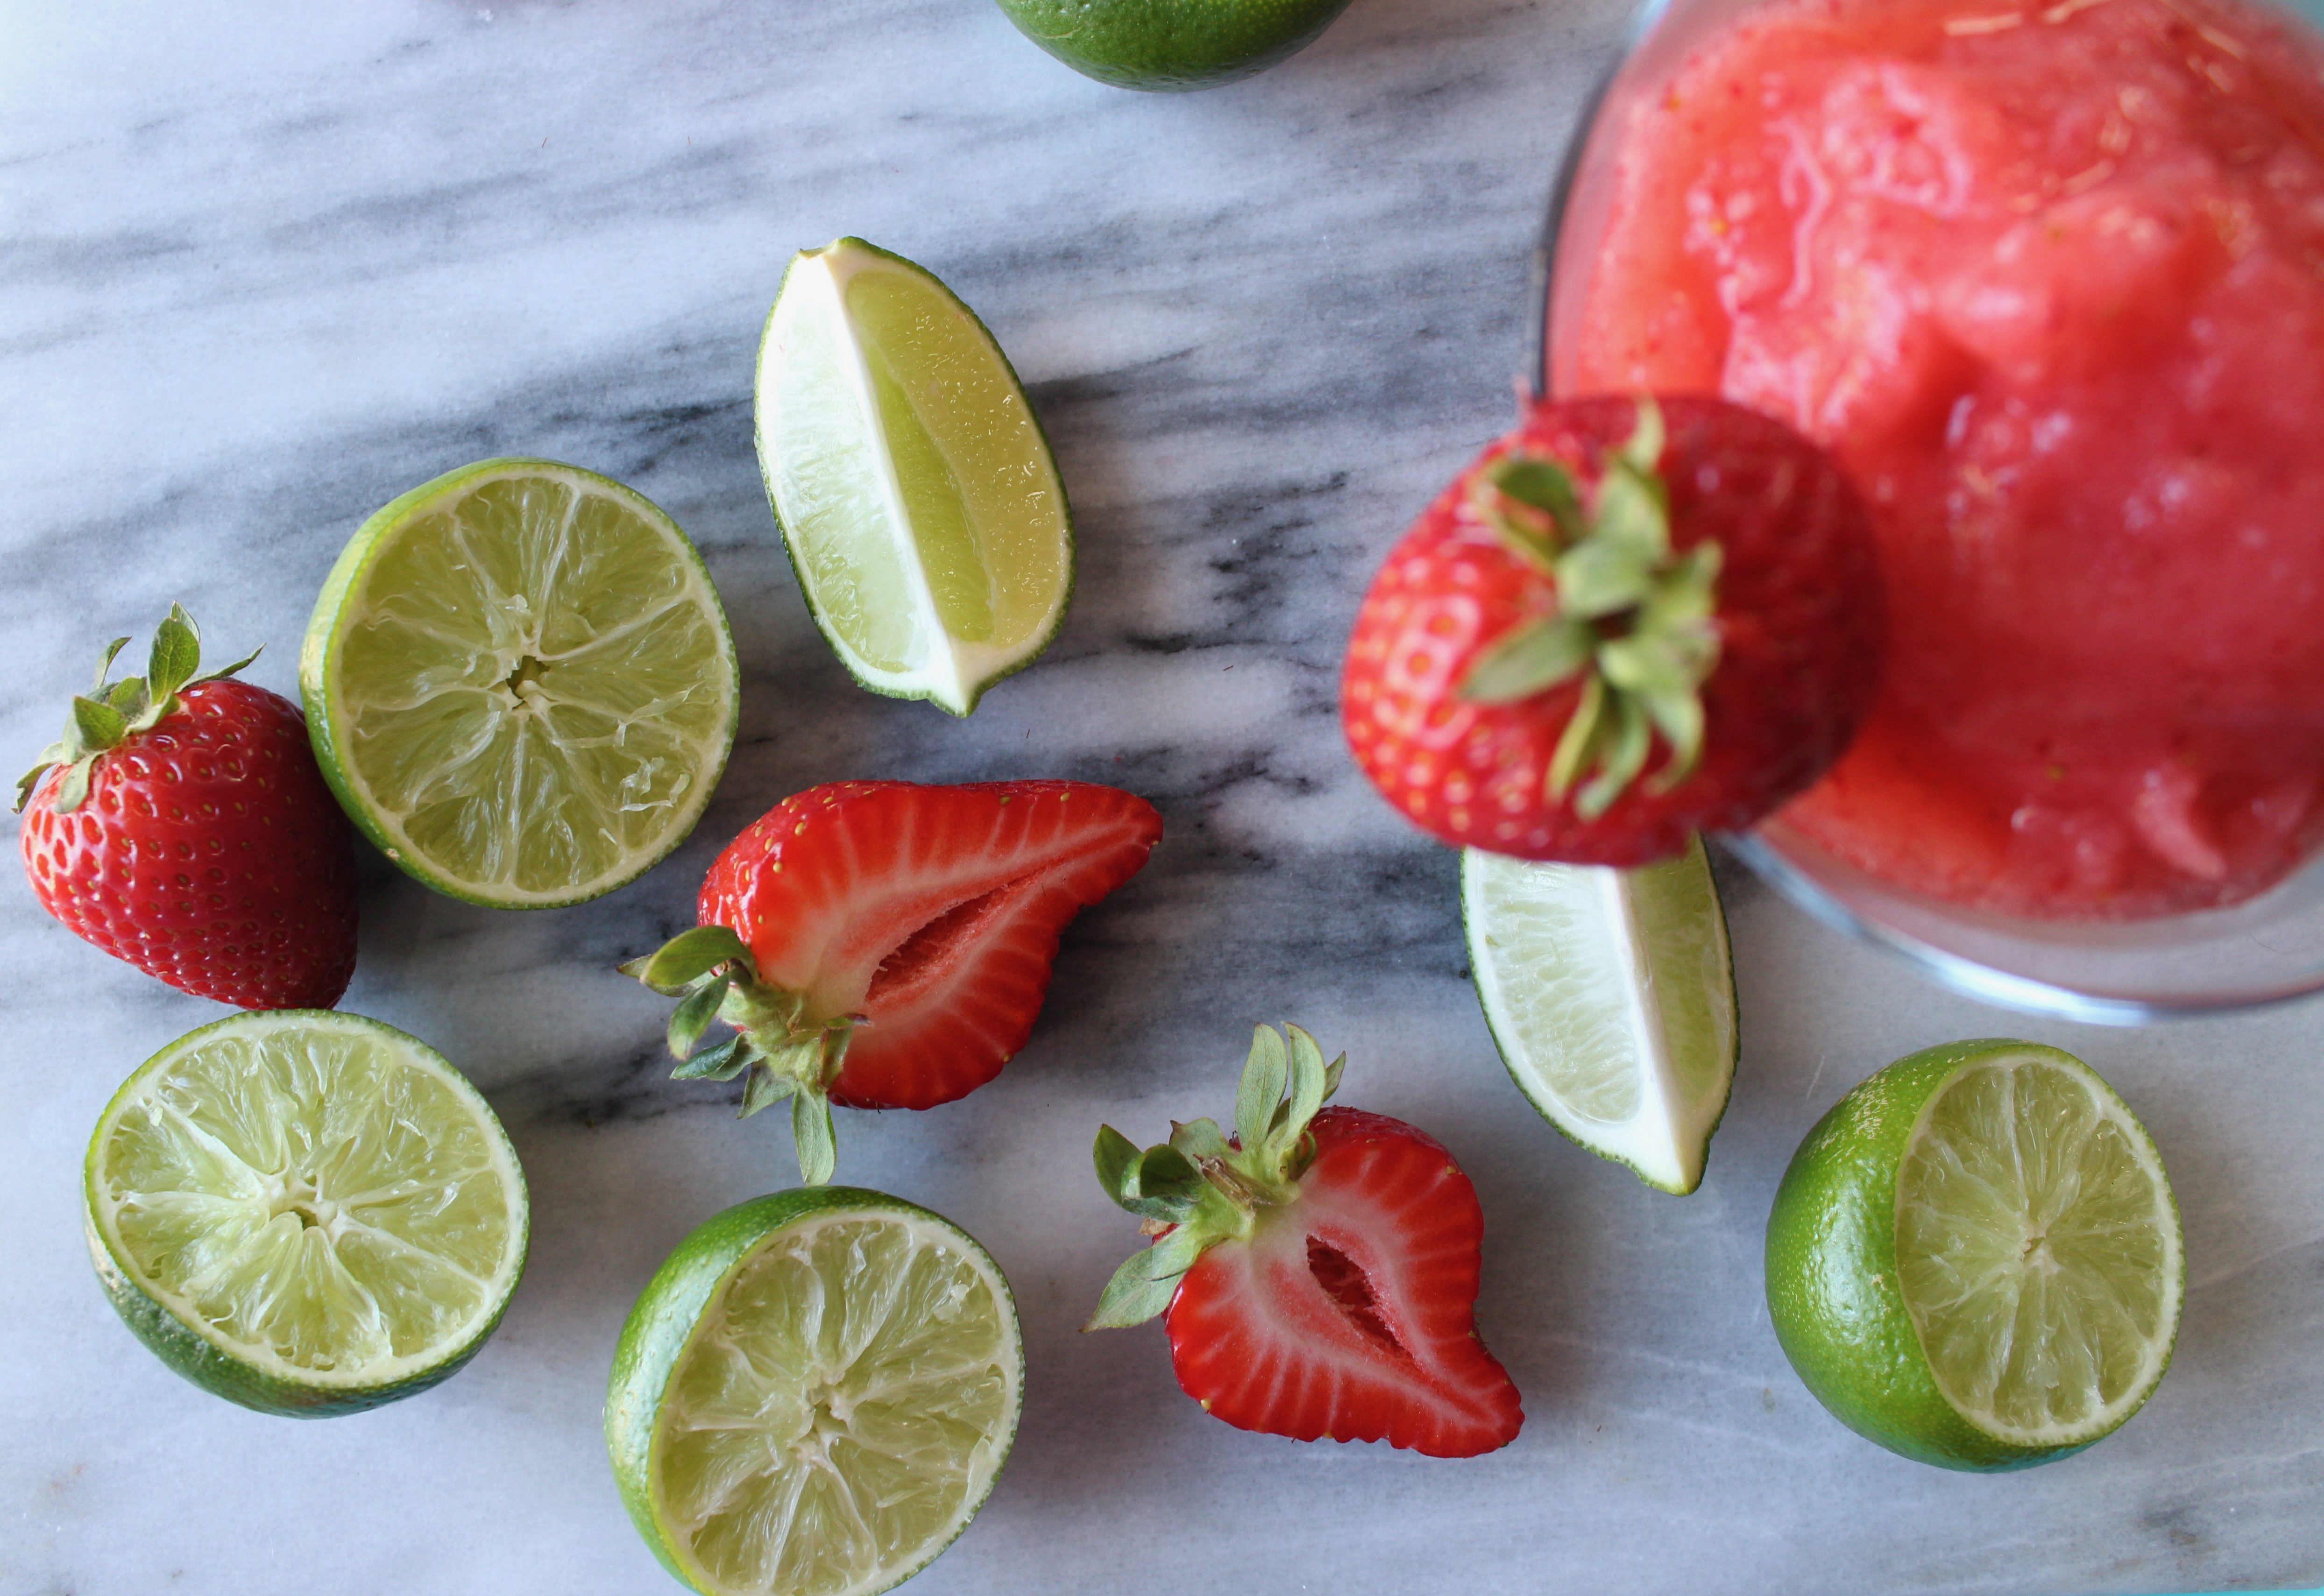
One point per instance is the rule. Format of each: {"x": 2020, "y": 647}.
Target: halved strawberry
{"x": 1319, "y": 1269}
{"x": 884, "y": 945}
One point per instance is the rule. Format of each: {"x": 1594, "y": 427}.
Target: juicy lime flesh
{"x": 1597, "y": 982}
{"x": 835, "y": 504}
{"x": 972, "y": 465}
{"x": 328, "y": 1210}
{"x": 536, "y": 684}
{"x": 2037, "y": 1251}
{"x": 930, "y": 529}
{"x": 842, "y": 1409}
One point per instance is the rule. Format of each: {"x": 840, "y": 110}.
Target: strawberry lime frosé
{"x": 2049, "y": 281}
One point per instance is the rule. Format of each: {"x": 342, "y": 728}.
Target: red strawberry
{"x": 181, "y": 824}
{"x": 1627, "y": 620}
{"x": 881, "y": 945}
{"x": 1319, "y": 1269}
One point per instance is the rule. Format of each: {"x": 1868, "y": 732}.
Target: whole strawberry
{"x": 181, "y": 824}
{"x": 1627, "y": 620}
{"x": 885, "y": 945}
{"x": 1319, "y": 1269}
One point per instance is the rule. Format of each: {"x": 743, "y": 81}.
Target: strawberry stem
{"x": 1633, "y": 619}
{"x": 109, "y": 716}
{"x": 1200, "y": 1187}
{"x": 775, "y": 1047}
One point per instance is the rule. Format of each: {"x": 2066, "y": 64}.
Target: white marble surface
{"x": 265, "y": 265}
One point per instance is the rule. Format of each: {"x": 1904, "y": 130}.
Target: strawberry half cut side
{"x": 886, "y": 945}
{"x": 1319, "y": 1269}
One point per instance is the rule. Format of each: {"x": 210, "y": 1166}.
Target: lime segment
{"x": 1611, "y": 994}
{"x": 1974, "y": 1258}
{"x": 305, "y": 1211}
{"x": 520, "y": 684}
{"x": 815, "y": 1394}
{"x": 923, "y": 510}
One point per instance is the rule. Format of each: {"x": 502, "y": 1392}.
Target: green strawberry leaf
{"x": 728, "y": 1059}
{"x": 1132, "y": 1297}
{"x": 1264, "y": 1075}
{"x": 688, "y": 956}
{"x": 811, "y": 1133}
{"x": 177, "y": 655}
{"x": 765, "y": 1086}
{"x": 694, "y": 1013}
{"x": 1529, "y": 658}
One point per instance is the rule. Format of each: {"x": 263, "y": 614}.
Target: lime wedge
{"x": 1974, "y": 1258}
{"x": 1611, "y": 994}
{"x": 815, "y": 1394}
{"x": 915, "y": 490}
{"x": 520, "y": 683}
{"x": 306, "y": 1212}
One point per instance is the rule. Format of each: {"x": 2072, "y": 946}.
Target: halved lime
{"x": 307, "y": 1212}
{"x": 520, "y": 683}
{"x": 1611, "y": 994}
{"x": 815, "y": 1394}
{"x": 915, "y": 490}
{"x": 1975, "y": 1259}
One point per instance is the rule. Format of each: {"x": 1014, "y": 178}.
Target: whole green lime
{"x": 813, "y": 1396}
{"x": 1974, "y": 1258}
{"x": 1171, "y": 44}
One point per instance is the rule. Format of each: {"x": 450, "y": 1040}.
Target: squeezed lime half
{"x": 1611, "y": 994}
{"x": 1974, "y": 1258}
{"x": 916, "y": 492}
{"x": 305, "y": 1211}
{"x": 520, "y": 682}
{"x": 815, "y": 1394}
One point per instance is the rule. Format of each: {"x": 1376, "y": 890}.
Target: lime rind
{"x": 1143, "y": 47}
{"x": 249, "y": 1266}
{"x": 1836, "y": 1291}
{"x": 1611, "y": 998}
{"x": 583, "y": 831}
{"x": 874, "y": 593}
{"x": 678, "y": 1359}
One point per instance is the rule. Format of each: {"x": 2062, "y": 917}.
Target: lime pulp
{"x": 916, "y": 492}
{"x": 520, "y": 684}
{"x": 1974, "y": 1258}
{"x": 815, "y": 1394}
{"x": 305, "y": 1211}
{"x": 1611, "y": 994}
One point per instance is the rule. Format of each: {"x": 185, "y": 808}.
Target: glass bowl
{"x": 2268, "y": 949}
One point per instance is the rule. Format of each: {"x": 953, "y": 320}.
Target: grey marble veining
{"x": 264, "y": 268}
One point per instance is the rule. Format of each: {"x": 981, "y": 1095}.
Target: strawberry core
{"x": 1344, "y": 1282}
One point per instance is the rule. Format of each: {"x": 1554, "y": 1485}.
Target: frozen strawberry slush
{"x": 2051, "y": 283}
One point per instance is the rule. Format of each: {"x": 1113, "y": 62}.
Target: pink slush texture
{"x": 2051, "y": 283}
